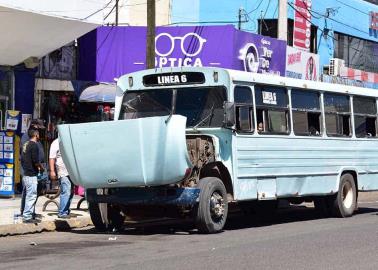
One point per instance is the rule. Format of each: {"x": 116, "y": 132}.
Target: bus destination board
{"x": 174, "y": 78}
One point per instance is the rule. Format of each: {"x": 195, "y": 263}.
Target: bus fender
{"x": 219, "y": 170}
{"x": 352, "y": 170}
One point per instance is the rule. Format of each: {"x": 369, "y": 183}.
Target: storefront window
{"x": 357, "y": 53}
{"x": 5, "y": 92}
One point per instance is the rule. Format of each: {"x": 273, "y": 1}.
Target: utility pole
{"x": 116, "y": 13}
{"x": 282, "y": 20}
{"x": 240, "y": 16}
{"x": 150, "y": 54}
{"x": 261, "y": 22}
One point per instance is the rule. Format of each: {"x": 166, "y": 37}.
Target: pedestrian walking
{"x": 58, "y": 171}
{"x": 32, "y": 167}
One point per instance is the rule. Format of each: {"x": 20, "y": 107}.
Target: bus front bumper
{"x": 145, "y": 196}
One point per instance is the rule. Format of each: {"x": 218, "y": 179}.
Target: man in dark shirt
{"x": 32, "y": 167}
{"x": 36, "y": 124}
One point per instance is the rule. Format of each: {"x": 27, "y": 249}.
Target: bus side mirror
{"x": 229, "y": 114}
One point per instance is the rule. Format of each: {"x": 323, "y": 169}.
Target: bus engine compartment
{"x": 201, "y": 152}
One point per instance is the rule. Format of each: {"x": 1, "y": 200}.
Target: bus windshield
{"x": 202, "y": 106}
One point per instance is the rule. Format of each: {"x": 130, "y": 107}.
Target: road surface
{"x": 295, "y": 238}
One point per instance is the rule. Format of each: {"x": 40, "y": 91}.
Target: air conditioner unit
{"x": 334, "y": 66}
{"x": 326, "y": 69}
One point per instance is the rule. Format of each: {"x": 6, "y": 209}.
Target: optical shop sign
{"x": 121, "y": 50}
{"x": 194, "y": 46}
{"x": 219, "y": 46}
{"x": 301, "y": 64}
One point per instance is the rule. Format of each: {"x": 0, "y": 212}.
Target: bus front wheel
{"x": 106, "y": 217}
{"x": 345, "y": 201}
{"x": 212, "y": 209}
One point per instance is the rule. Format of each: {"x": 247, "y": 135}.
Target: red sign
{"x": 373, "y": 20}
{"x": 302, "y": 24}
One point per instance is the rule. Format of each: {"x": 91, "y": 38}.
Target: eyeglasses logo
{"x": 191, "y": 44}
{"x": 250, "y": 57}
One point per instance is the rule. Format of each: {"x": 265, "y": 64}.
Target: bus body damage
{"x": 129, "y": 153}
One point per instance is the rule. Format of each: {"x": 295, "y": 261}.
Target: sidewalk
{"x": 50, "y": 221}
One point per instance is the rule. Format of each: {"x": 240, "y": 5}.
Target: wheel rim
{"x": 217, "y": 206}
{"x": 347, "y": 195}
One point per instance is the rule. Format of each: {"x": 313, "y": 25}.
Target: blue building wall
{"x": 350, "y": 17}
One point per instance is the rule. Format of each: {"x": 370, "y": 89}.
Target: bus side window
{"x": 337, "y": 114}
{"x": 272, "y": 111}
{"x": 306, "y": 112}
{"x": 244, "y": 108}
{"x": 365, "y": 116}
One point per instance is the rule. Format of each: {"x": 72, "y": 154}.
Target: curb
{"x": 44, "y": 226}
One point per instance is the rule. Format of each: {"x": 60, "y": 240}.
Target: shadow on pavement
{"x": 236, "y": 221}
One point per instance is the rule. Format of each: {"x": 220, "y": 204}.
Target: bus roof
{"x": 226, "y": 76}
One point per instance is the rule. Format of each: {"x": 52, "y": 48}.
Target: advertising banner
{"x": 302, "y": 24}
{"x": 6, "y": 163}
{"x": 301, "y": 64}
{"x": 121, "y": 50}
{"x": 11, "y": 119}
{"x": 259, "y": 54}
{"x": 25, "y": 122}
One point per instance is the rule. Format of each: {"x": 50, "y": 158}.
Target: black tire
{"x": 345, "y": 202}
{"x": 212, "y": 209}
{"x": 105, "y": 217}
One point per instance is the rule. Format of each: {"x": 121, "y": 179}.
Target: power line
{"x": 255, "y": 8}
{"x": 110, "y": 11}
{"x": 309, "y": 10}
{"x": 94, "y": 13}
{"x": 266, "y": 10}
{"x": 326, "y": 34}
{"x": 203, "y": 22}
{"x": 363, "y": 12}
{"x": 275, "y": 11}
{"x": 342, "y": 23}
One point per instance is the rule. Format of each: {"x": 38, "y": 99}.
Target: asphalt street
{"x": 296, "y": 238}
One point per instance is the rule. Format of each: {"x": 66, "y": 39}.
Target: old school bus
{"x": 189, "y": 141}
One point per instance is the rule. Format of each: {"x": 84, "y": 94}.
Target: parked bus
{"x": 189, "y": 141}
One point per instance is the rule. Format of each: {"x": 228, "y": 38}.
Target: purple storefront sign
{"x": 109, "y": 52}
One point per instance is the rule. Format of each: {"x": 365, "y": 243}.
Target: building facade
{"x": 346, "y": 30}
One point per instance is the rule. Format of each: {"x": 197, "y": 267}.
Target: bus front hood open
{"x": 125, "y": 153}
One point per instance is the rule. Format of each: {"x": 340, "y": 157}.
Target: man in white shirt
{"x": 58, "y": 171}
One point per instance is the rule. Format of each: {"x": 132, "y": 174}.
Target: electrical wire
{"x": 275, "y": 11}
{"x": 249, "y": 12}
{"x": 309, "y": 10}
{"x": 110, "y": 11}
{"x": 94, "y": 13}
{"x": 204, "y": 22}
{"x": 263, "y": 17}
{"x": 363, "y": 12}
{"x": 342, "y": 23}
{"x": 326, "y": 35}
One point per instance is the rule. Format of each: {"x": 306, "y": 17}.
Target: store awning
{"x": 26, "y": 34}
{"x": 99, "y": 93}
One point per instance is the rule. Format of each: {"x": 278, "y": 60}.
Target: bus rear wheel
{"x": 106, "y": 217}
{"x": 345, "y": 201}
{"x": 212, "y": 209}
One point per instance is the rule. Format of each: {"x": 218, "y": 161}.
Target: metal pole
{"x": 261, "y": 21}
{"x": 116, "y": 13}
{"x": 150, "y": 54}
{"x": 239, "y": 22}
{"x": 282, "y": 20}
